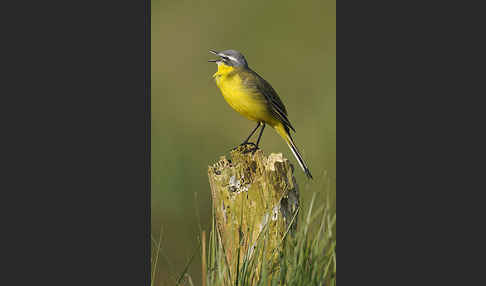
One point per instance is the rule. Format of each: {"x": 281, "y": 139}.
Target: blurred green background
{"x": 292, "y": 44}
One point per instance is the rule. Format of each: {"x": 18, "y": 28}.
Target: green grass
{"x": 307, "y": 255}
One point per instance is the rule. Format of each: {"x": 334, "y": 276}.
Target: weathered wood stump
{"x": 252, "y": 194}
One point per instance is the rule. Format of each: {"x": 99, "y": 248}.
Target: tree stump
{"x": 251, "y": 194}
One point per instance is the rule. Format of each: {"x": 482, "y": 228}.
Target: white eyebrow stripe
{"x": 232, "y": 58}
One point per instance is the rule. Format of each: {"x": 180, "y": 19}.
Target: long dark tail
{"x": 281, "y": 130}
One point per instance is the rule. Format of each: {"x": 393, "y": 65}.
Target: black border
{"x": 76, "y": 190}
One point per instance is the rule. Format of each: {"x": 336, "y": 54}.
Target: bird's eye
{"x": 225, "y": 58}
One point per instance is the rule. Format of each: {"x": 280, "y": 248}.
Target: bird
{"x": 253, "y": 97}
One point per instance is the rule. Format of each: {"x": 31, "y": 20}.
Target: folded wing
{"x": 276, "y": 106}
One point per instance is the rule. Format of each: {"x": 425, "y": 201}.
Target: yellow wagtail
{"x": 254, "y": 98}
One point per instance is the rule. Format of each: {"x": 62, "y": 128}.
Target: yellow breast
{"x": 249, "y": 104}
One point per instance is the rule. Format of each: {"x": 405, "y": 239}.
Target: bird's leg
{"x": 255, "y": 146}
{"x": 259, "y": 137}
{"x": 247, "y": 139}
{"x": 251, "y": 134}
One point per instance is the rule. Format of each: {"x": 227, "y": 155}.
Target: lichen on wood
{"x": 252, "y": 193}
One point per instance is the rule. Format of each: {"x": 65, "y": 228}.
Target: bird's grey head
{"x": 230, "y": 57}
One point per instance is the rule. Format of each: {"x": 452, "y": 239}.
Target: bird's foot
{"x": 248, "y": 143}
{"x": 251, "y": 149}
{"x": 254, "y": 150}
{"x": 246, "y": 149}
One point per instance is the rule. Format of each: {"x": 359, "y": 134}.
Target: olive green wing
{"x": 254, "y": 81}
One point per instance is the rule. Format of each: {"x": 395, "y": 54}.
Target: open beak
{"x": 216, "y": 53}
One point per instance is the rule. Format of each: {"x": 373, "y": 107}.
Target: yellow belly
{"x": 251, "y": 105}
